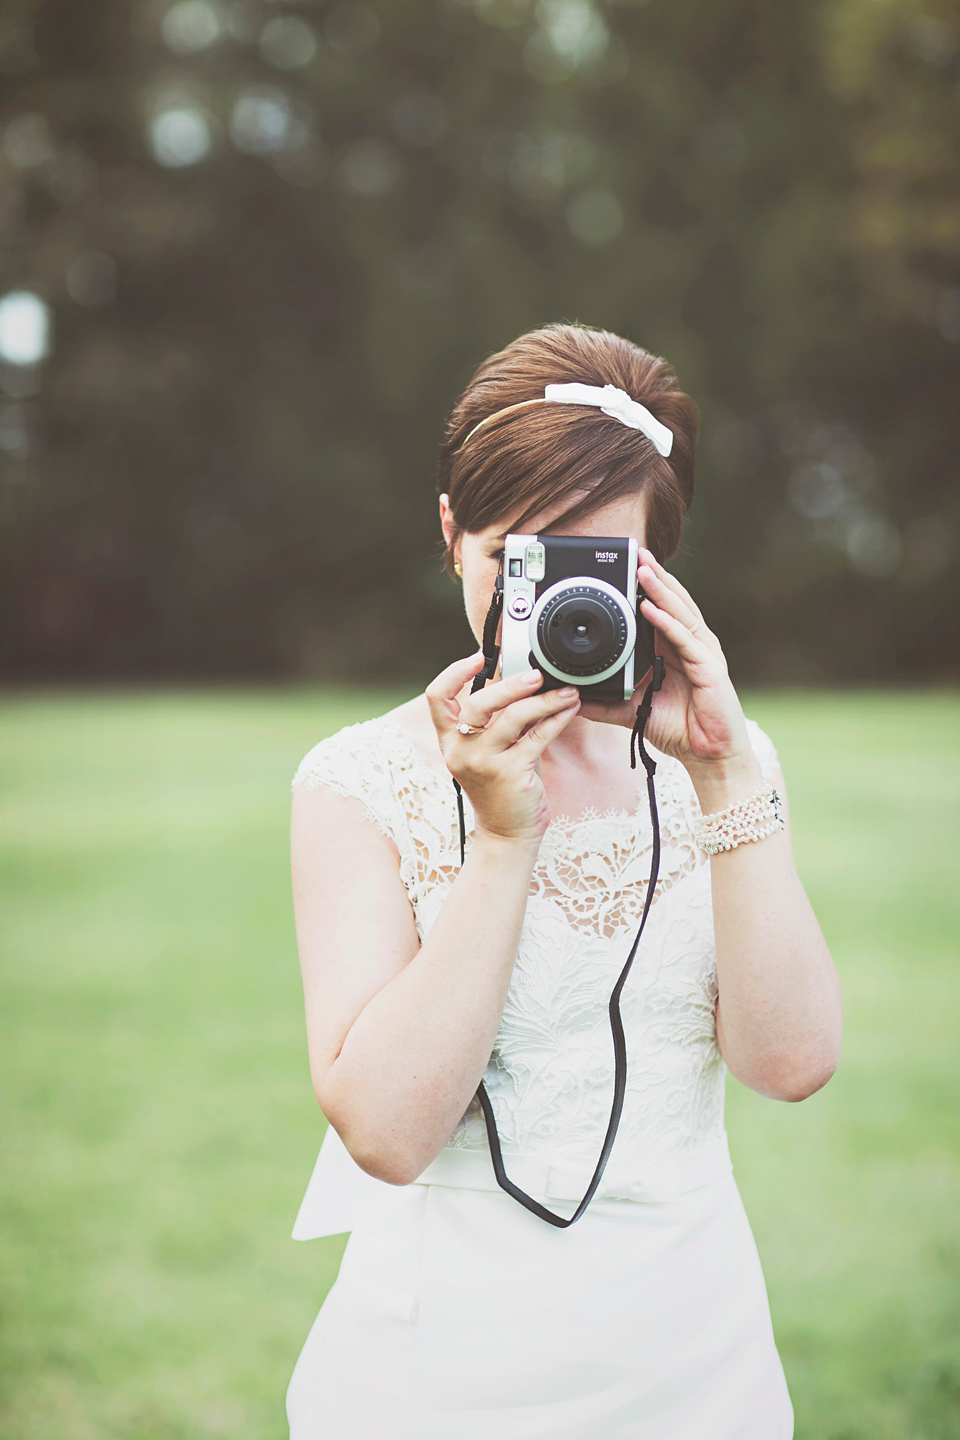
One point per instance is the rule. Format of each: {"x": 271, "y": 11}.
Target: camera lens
{"x": 582, "y": 631}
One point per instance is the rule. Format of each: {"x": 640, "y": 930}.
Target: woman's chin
{"x": 619, "y": 712}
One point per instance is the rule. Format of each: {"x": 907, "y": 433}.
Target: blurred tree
{"x": 274, "y": 239}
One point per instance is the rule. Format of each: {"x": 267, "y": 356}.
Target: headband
{"x": 610, "y": 400}
{"x": 618, "y": 404}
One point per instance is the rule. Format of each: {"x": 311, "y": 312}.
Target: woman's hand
{"x": 696, "y": 715}
{"x": 499, "y": 768}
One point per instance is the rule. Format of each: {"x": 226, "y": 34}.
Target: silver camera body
{"x": 570, "y": 610}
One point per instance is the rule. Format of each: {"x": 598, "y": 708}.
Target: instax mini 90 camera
{"x": 570, "y": 610}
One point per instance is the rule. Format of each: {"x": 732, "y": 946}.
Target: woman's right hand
{"x": 499, "y": 769}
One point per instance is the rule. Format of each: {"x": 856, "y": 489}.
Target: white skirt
{"x": 457, "y": 1315}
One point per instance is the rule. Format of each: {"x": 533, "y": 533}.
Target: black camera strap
{"x": 491, "y": 658}
{"x": 491, "y": 655}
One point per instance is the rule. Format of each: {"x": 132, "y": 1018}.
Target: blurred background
{"x": 250, "y": 251}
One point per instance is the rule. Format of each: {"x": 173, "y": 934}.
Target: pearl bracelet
{"x": 748, "y": 820}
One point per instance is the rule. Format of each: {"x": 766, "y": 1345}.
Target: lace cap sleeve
{"x": 765, "y": 751}
{"x": 352, "y": 763}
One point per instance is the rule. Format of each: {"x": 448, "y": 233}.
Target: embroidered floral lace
{"x": 550, "y": 1077}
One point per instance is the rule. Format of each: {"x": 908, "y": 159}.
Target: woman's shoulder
{"x": 370, "y": 755}
{"x": 374, "y": 746}
{"x": 354, "y": 764}
{"x": 349, "y": 754}
{"x": 378, "y": 762}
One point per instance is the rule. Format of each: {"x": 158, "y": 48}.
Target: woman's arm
{"x": 399, "y": 1033}
{"x": 779, "y": 1011}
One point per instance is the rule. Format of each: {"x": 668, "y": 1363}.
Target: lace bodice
{"x": 550, "y": 1077}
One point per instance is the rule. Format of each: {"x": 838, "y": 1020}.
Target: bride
{"x": 458, "y": 1314}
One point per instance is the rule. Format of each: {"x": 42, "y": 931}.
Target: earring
{"x": 458, "y": 569}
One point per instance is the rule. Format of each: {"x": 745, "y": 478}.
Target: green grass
{"x": 158, "y": 1126}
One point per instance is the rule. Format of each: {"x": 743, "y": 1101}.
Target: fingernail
{"x": 569, "y": 691}
{"x": 531, "y": 677}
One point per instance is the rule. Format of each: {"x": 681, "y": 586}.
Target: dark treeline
{"x": 273, "y": 240}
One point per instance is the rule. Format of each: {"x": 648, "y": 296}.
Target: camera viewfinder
{"x": 535, "y": 562}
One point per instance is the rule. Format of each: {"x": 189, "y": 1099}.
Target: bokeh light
{"x": 874, "y": 546}
{"x": 569, "y": 35}
{"x": 24, "y": 328}
{"x": 180, "y": 136}
{"x": 538, "y": 165}
{"x": 287, "y": 42}
{"x": 370, "y": 168}
{"x": 265, "y": 122}
{"x": 595, "y": 216}
{"x": 817, "y": 491}
{"x": 191, "y": 25}
{"x": 27, "y": 142}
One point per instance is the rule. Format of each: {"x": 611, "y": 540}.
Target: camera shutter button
{"x": 520, "y": 607}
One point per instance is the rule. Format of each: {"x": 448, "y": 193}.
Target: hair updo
{"x": 521, "y": 462}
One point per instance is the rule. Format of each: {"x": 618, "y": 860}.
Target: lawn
{"x": 158, "y": 1126}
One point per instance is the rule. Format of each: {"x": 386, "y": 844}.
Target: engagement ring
{"x": 466, "y": 729}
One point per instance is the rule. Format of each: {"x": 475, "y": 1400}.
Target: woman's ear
{"x": 447, "y": 522}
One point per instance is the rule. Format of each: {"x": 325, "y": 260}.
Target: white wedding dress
{"x": 458, "y": 1315}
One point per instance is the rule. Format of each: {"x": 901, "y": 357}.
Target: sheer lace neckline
{"x": 559, "y": 824}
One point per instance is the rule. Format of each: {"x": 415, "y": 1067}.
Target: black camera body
{"x": 570, "y": 610}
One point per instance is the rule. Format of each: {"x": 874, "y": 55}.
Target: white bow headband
{"x": 608, "y": 398}
{"x": 618, "y": 404}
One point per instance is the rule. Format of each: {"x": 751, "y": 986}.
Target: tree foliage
{"x": 275, "y": 239}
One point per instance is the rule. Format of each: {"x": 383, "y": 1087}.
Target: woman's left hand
{"x": 696, "y": 715}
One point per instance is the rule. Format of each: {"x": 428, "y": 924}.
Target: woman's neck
{"x": 586, "y": 743}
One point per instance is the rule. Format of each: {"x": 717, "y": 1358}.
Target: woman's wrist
{"x": 513, "y": 848}
{"x": 720, "y": 783}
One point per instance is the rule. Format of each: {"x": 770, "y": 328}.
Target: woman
{"x": 459, "y": 1315}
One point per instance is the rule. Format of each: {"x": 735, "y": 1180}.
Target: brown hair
{"x": 524, "y": 459}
